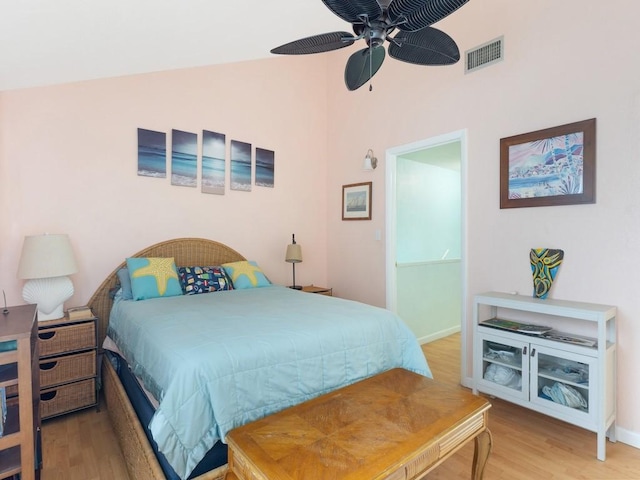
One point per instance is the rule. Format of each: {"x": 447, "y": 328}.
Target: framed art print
{"x": 554, "y": 166}
{"x": 356, "y": 201}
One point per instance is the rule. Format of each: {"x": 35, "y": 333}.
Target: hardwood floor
{"x": 81, "y": 446}
{"x": 526, "y": 445}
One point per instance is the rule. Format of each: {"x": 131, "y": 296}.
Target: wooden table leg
{"x": 481, "y": 453}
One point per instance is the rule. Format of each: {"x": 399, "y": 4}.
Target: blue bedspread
{"x": 219, "y": 360}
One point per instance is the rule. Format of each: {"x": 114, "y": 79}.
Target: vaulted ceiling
{"x": 44, "y": 42}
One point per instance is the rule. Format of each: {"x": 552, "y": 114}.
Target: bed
{"x": 245, "y": 350}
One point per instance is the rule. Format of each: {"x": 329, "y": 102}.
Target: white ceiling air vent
{"x": 484, "y": 55}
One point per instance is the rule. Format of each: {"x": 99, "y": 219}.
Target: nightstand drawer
{"x": 54, "y": 371}
{"x": 67, "y": 338}
{"x": 68, "y": 397}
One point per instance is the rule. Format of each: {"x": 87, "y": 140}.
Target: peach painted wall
{"x": 68, "y": 161}
{"x": 68, "y": 164}
{"x": 564, "y": 62}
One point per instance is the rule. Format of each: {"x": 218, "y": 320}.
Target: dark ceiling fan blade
{"x": 351, "y": 10}
{"x": 421, "y": 13}
{"x": 324, "y": 42}
{"x": 428, "y": 46}
{"x": 362, "y": 66}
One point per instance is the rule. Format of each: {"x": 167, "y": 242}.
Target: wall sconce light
{"x": 293, "y": 256}
{"x": 370, "y": 161}
{"x": 45, "y": 262}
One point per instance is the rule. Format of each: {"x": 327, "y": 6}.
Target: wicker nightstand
{"x": 320, "y": 290}
{"x": 68, "y": 365}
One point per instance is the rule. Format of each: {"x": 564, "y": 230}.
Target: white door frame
{"x": 392, "y": 155}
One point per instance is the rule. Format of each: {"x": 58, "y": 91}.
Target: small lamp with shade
{"x": 45, "y": 262}
{"x": 293, "y": 256}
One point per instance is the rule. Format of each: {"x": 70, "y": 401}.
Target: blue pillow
{"x": 196, "y": 280}
{"x": 153, "y": 277}
{"x": 246, "y": 274}
{"x": 125, "y": 284}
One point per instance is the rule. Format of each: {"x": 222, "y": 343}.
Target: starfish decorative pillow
{"x": 246, "y": 274}
{"x": 153, "y": 277}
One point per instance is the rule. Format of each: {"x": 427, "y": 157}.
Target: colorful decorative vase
{"x": 544, "y": 266}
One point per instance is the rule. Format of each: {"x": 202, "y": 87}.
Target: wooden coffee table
{"x": 396, "y": 425}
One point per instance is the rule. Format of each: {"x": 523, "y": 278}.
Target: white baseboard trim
{"x": 622, "y": 434}
{"x": 467, "y": 382}
{"x": 438, "y": 335}
{"x": 628, "y": 437}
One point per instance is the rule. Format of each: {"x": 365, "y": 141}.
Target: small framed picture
{"x": 356, "y": 201}
{"x": 555, "y": 166}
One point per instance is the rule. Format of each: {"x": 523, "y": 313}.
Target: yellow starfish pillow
{"x": 153, "y": 277}
{"x": 246, "y": 274}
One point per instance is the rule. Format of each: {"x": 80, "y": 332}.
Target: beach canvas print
{"x": 546, "y": 168}
{"x": 152, "y": 153}
{"x": 184, "y": 158}
{"x": 264, "y": 167}
{"x": 555, "y": 166}
{"x": 213, "y": 162}
{"x": 240, "y": 166}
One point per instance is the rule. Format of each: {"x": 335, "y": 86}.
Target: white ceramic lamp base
{"x": 50, "y": 295}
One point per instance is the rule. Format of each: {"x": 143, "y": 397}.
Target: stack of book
{"x": 539, "y": 330}
{"x": 79, "y": 313}
{"x": 516, "y": 326}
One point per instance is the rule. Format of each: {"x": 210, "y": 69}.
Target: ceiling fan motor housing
{"x": 376, "y": 33}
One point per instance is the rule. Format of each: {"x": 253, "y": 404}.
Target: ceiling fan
{"x": 374, "y": 20}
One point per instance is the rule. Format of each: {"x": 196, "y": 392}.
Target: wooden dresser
{"x": 19, "y": 452}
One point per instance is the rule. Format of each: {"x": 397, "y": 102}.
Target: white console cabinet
{"x": 572, "y": 382}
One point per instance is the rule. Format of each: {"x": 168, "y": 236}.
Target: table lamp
{"x": 45, "y": 262}
{"x": 293, "y": 256}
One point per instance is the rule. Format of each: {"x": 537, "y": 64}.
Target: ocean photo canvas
{"x": 213, "y": 162}
{"x": 264, "y": 167}
{"x": 240, "y": 166}
{"x": 152, "y": 153}
{"x": 184, "y": 158}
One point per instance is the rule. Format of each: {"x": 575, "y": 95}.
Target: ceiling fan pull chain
{"x": 370, "y": 68}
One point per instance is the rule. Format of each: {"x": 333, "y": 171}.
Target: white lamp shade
{"x": 294, "y": 253}
{"x": 45, "y": 256}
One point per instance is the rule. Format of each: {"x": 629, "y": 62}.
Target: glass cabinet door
{"x": 562, "y": 381}
{"x": 505, "y": 366}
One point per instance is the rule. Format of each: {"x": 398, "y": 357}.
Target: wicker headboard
{"x": 185, "y": 251}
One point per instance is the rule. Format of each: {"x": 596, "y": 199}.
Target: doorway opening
{"x": 425, "y": 236}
